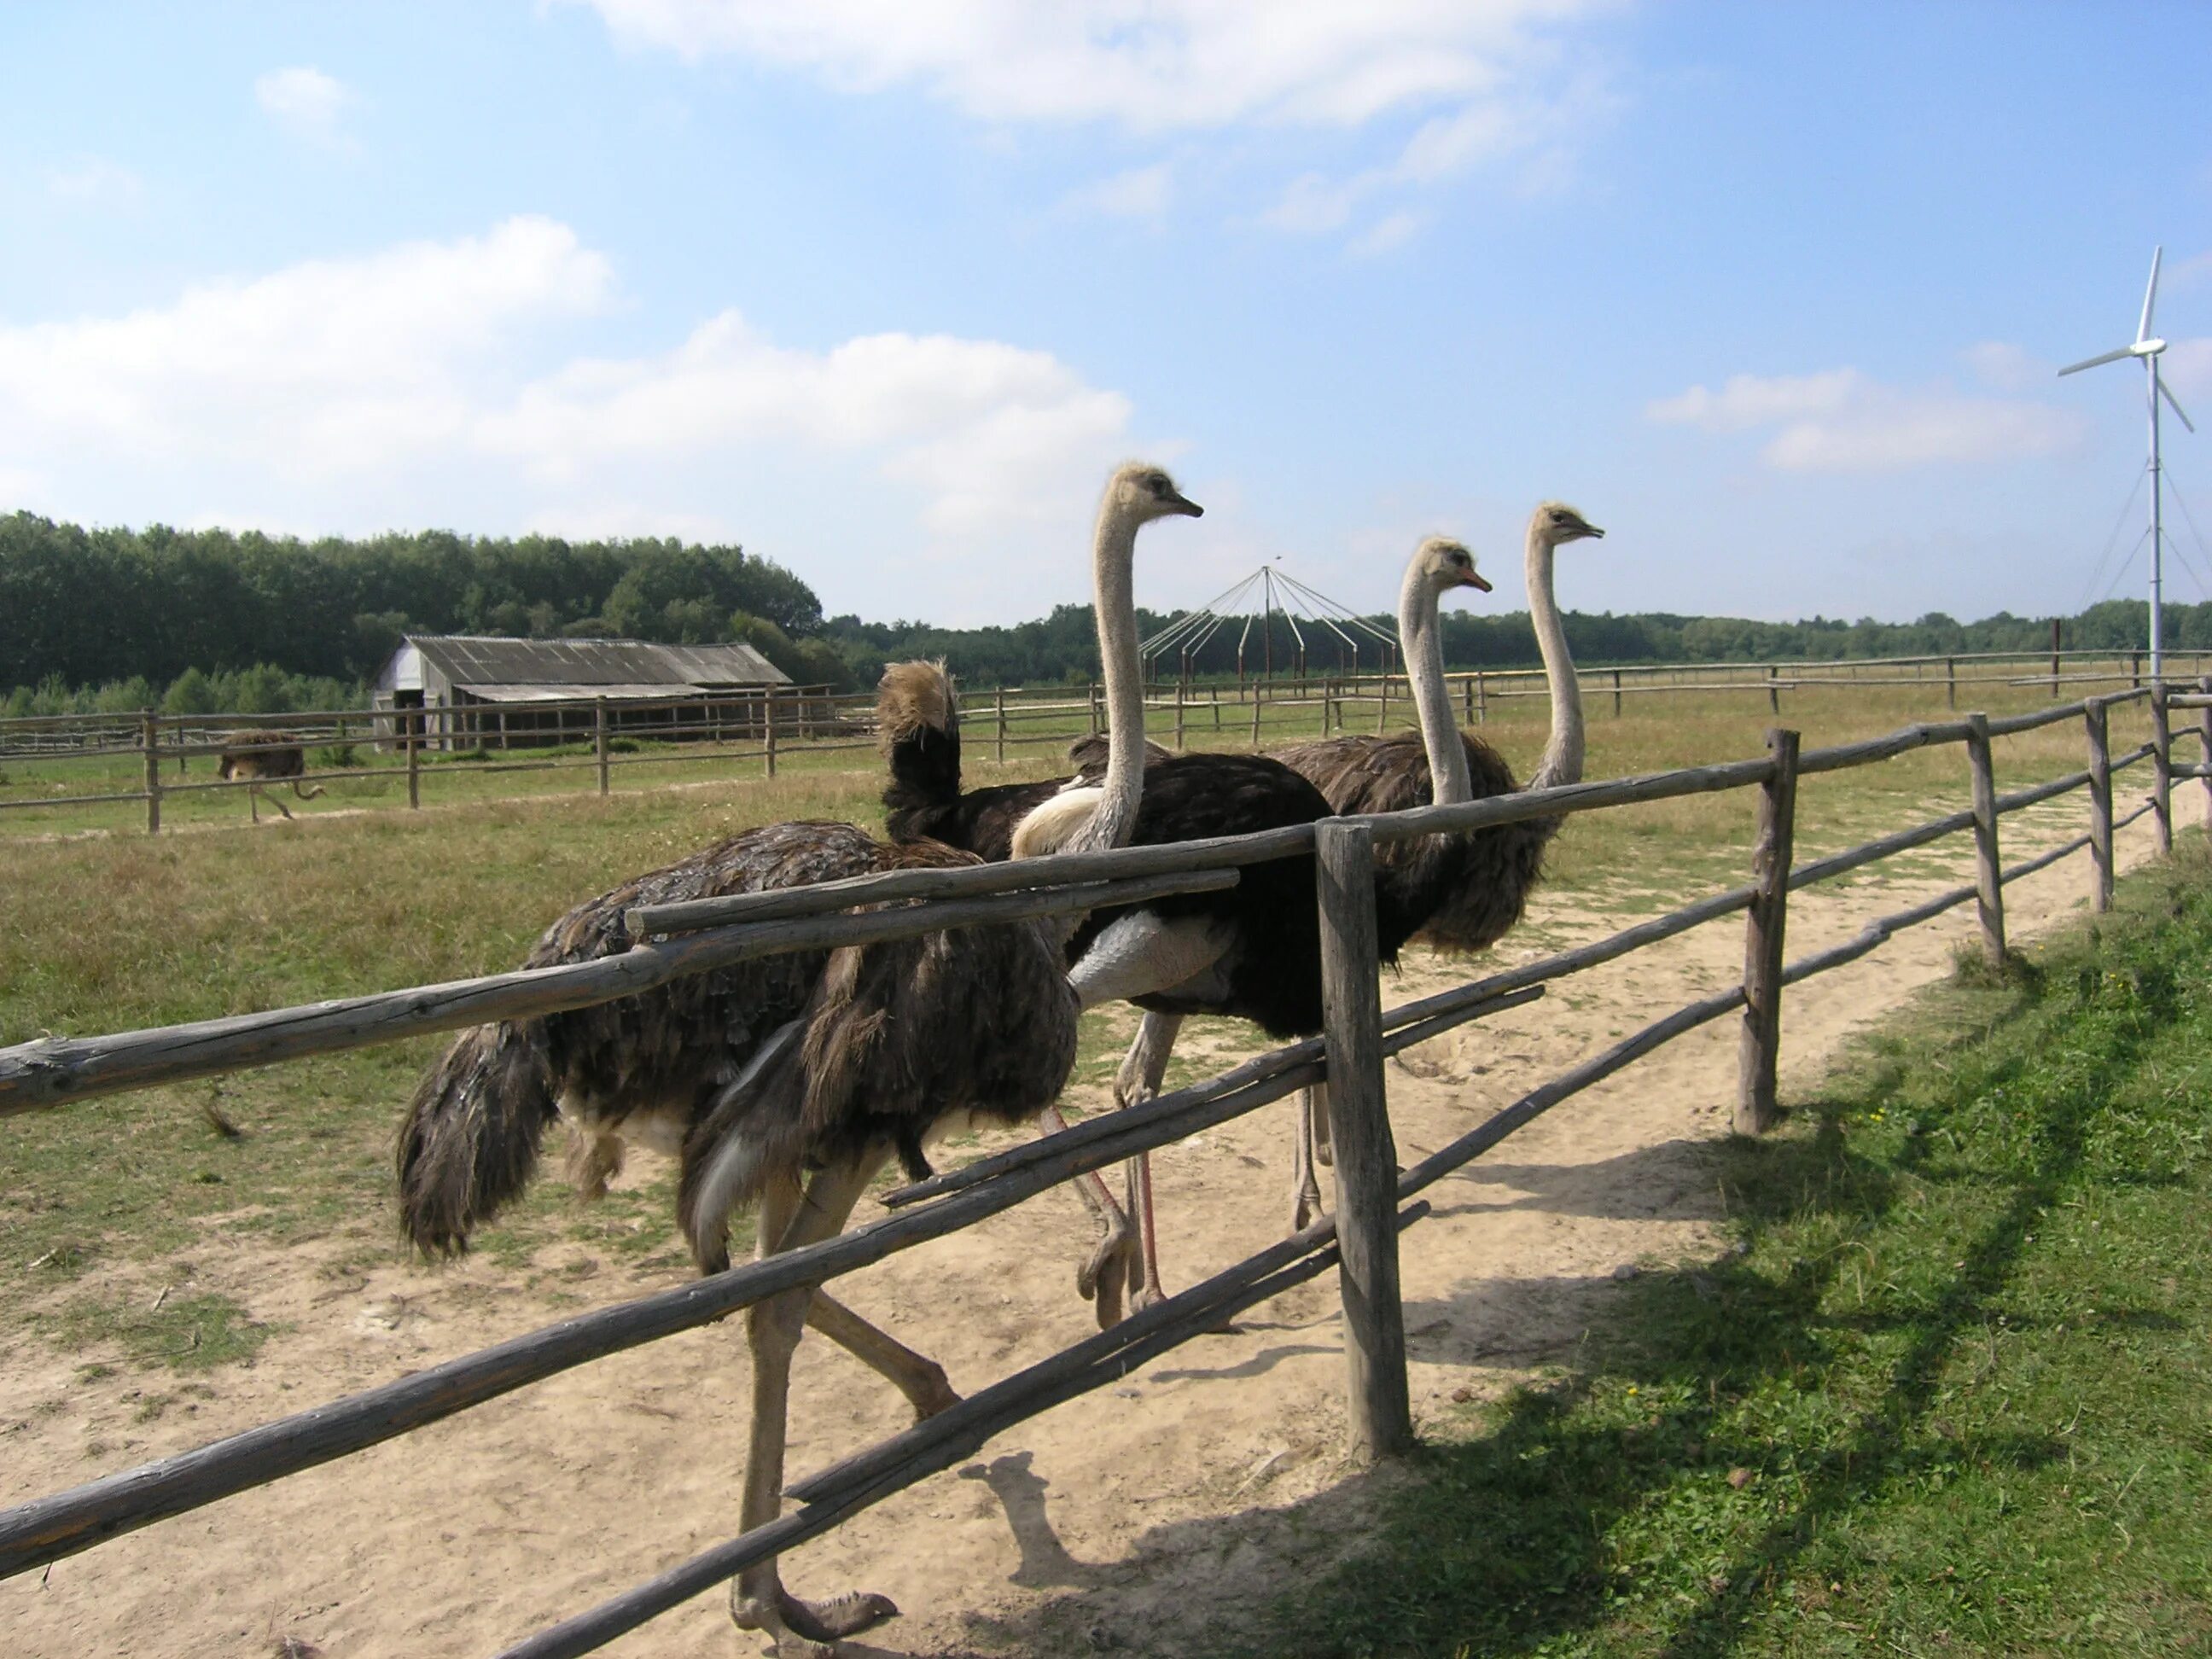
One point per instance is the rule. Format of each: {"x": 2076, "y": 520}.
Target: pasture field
{"x": 148, "y": 1233}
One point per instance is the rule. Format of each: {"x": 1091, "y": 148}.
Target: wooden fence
{"x": 1375, "y": 1199}
{"x": 809, "y": 722}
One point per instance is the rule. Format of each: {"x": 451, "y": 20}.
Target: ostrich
{"x": 1252, "y": 950}
{"x": 1462, "y": 892}
{"x": 826, "y": 1061}
{"x": 260, "y": 757}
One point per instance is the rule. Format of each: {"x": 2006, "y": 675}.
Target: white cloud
{"x": 432, "y": 383}
{"x": 2187, "y": 370}
{"x": 93, "y": 180}
{"x": 1840, "y": 421}
{"x": 1137, "y": 193}
{"x": 1393, "y": 231}
{"x": 304, "y": 101}
{"x": 1149, "y": 64}
{"x": 2008, "y": 366}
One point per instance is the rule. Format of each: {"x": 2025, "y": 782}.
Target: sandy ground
{"x": 1125, "y": 1522}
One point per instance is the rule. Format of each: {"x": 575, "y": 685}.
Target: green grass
{"x": 1949, "y": 1394}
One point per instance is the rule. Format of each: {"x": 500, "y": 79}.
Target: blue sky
{"x": 1774, "y": 291}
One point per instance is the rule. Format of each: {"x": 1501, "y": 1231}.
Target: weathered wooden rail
{"x": 1375, "y": 1200}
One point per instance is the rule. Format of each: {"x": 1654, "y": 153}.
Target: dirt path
{"x": 1111, "y": 1523}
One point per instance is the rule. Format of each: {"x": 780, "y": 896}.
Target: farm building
{"x": 477, "y": 690}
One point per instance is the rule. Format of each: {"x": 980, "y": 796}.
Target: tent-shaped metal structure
{"x": 1319, "y": 633}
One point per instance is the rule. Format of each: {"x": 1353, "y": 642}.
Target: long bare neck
{"x": 1421, "y": 633}
{"x": 1563, "y": 754}
{"x": 1113, "y": 560}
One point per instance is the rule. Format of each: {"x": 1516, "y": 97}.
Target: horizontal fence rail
{"x": 677, "y": 940}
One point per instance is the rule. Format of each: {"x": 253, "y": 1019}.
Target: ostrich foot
{"x": 1102, "y": 1279}
{"x": 809, "y": 1630}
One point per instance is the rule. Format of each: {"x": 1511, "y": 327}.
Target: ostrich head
{"x": 1445, "y": 564}
{"x": 1556, "y": 523}
{"x": 1144, "y": 492}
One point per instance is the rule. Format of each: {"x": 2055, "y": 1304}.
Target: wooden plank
{"x": 2100, "y": 806}
{"x": 150, "y": 739}
{"x": 1989, "y": 868}
{"x": 51, "y": 1071}
{"x": 2161, "y": 788}
{"x": 599, "y": 742}
{"x": 1381, "y": 1413}
{"x": 1759, "y": 1053}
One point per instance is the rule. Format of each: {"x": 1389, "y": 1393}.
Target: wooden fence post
{"x": 2100, "y": 804}
{"x": 1482, "y": 699}
{"x": 1255, "y": 717}
{"x": 1216, "y": 707}
{"x": 150, "y": 734}
{"x": 1950, "y": 682}
{"x": 1616, "y": 694}
{"x": 1773, "y": 689}
{"x": 1178, "y": 716}
{"x": 1467, "y": 696}
{"x": 2135, "y": 670}
{"x": 416, "y": 719}
{"x": 2054, "y": 656}
{"x": 1092, "y": 694}
{"x": 599, "y": 741}
{"x": 1758, "y": 1056}
{"x": 1381, "y": 1411}
{"x": 2161, "y": 768}
{"x": 1383, "y": 708}
{"x": 769, "y": 752}
{"x": 2204, "y": 743}
{"x": 1001, "y": 698}
{"x": 1989, "y": 871}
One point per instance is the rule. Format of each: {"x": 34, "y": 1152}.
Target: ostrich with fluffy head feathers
{"x": 784, "y": 1083}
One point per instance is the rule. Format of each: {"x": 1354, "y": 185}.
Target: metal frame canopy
{"x": 1261, "y": 598}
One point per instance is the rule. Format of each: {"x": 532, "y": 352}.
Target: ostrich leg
{"x": 1138, "y": 1080}
{"x": 800, "y": 1630}
{"x": 1314, "y": 1148}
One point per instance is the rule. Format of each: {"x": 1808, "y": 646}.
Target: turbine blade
{"x": 2174, "y": 403}
{"x": 2150, "y": 297}
{"x": 2092, "y": 362}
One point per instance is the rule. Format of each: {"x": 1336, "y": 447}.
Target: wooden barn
{"x": 478, "y": 691}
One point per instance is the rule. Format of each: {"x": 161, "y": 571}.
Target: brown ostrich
{"x": 264, "y": 756}
{"x": 1460, "y": 892}
{"x": 827, "y": 1061}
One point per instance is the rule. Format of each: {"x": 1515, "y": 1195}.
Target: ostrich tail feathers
{"x": 472, "y": 1132}
{"x": 918, "y": 724}
{"x": 752, "y": 1127}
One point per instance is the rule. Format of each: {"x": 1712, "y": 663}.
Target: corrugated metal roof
{"x": 570, "y": 692}
{"x": 476, "y": 661}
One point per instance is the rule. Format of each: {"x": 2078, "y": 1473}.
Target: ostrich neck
{"x": 1113, "y": 559}
{"x": 1422, "y": 634}
{"x": 1562, "y": 755}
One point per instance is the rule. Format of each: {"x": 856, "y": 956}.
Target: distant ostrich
{"x": 263, "y": 756}
{"x": 827, "y": 1061}
{"x": 1252, "y": 950}
{"x": 1465, "y": 891}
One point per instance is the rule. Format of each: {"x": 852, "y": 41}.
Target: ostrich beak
{"x": 1592, "y": 532}
{"x": 1178, "y": 502}
{"x": 1476, "y": 579}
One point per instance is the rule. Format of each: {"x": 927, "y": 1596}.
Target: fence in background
{"x": 599, "y": 736}
{"x": 1375, "y": 1200}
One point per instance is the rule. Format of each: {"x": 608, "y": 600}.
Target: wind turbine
{"x": 2147, "y": 347}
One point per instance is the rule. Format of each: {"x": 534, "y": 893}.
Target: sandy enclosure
{"x": 1125, "y": 1520}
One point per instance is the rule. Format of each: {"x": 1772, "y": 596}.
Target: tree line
{"x": 95, "y": 620}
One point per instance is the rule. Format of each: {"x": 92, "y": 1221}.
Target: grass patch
{"x": 1949, "y": 1394}
{"x": 183, "y": 1333}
